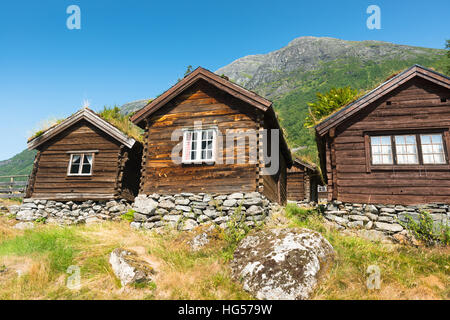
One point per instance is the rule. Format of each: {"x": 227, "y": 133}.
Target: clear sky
{"x": 130, "y": 50}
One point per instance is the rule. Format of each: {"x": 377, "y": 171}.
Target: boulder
{"x": 144, "y": 205}
{"x": 129, "y": 268}
{"x": 282, "y": 264}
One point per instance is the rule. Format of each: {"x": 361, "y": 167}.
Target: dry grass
{"x": 181, "y": 274}
{"x": 43, "y": 254}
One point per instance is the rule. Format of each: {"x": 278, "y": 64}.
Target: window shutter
{"x": 187, "y": 143}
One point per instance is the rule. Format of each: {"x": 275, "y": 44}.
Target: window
{"x": 80, "y": 164}
{"x": 381, "y": 150}
{"x": 408, "y": 149}
{"x": 199, "y": 146}
{"x": 432, "y": 148}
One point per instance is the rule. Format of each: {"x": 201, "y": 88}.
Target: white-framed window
{"x": 80, "y": 164}
{"x": 406, "y": 149}
{"x": 432, "y": 148}
{"x": 321, "y": 188}
{"x": 381, "y": 149}
{"x": 199, "y": 146}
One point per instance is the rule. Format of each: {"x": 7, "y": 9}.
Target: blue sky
{"x": 129, "y": 50}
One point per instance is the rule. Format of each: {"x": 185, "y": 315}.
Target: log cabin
{"x": 84, "y": 158}
{"x": 302, "y": 181}
{"x": 206, "y": 110}
{"x": 391, "y": 146}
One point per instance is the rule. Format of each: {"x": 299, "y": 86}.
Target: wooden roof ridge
{"x": 233, "y": 89}
{"x": 305, "y": 164}
{"x": 384, "y": 88}
{"x": 201, "y": 73}
{"x": 91, "y": 117}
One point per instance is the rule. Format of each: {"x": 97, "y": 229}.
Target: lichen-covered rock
{"x": 282, "y": 264}
{"x": 129, "y": 268}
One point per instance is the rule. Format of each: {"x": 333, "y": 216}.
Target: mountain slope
{"x": 21, "y": 163}
{"x": 292, "y": 75}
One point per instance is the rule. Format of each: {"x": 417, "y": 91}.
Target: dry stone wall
{"x": 69, "y": 212}
{"x": 185, "y": 211}
{"x": 383, "y": 218}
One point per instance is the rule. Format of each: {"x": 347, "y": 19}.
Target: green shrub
{"x": 426, "y": 230}
{"x": 128, "y": 216}
{"x": 236, "y": 231}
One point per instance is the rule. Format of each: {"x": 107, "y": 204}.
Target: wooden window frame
{"x": 81, "y": 154}
{"x": 416, "y": 132}
{"x": 199, "y": 161}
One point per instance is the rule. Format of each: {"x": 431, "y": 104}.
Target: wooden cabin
{"x": 207, "y": 164}
{"x": 390, "y": 146}
{"x": 302, "y": 181}
{"x": 85, "y": 158}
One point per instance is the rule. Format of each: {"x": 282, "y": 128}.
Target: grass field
{"x": 33, "y": 264}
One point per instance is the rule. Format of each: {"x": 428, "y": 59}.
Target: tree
{"x": 188, "y": 70}
{"x": 327, "y": 103}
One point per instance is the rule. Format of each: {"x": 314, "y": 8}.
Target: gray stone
{"x": 389, "y": 227}
{"x": 355, "y": 224}
{"x": 387, "y": 210}
{"x": 24, "y": 225}
{"x": 358, "y": 218}
{"x": 282, "y": 264}
{"x": 25, "y": 215}
{"x": 135, "y": 225}
{"x": 211, "y": 213}
{"x": 254, "y": 210}
{"x": 189, "y": 224}
{"x": 251, "y": 195}
{"x": 166, "y": 204}
{"x": 138, "y": 217}
{"x": 182, "y": 201}
{"x": 129, "y": 268}
{"x": 229, "y": 202}
{"x": 144, "y": 205}
{"x": 236, "y": 195}
{"x": 183, "y": 208}
{"x": 252, "y": 202}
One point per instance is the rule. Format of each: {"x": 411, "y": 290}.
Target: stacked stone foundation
{"x": 185, "y": 211}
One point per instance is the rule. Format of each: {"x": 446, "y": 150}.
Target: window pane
{"x": 381, "y": 150}
{"x": 86, "y": 168}
{"x": 76, "y": 158}
{"x": 432, "y": 149}
{"x": 74, "y": 169}
{"x": 406, "y": 149}
{"x": 75, "y": 164}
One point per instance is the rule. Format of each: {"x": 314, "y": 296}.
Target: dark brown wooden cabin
{"x": 85, "y": 158}
{"x": 219, "y": 105}
{"x": 302, "y": 181}
{"x": 391, "y": 146}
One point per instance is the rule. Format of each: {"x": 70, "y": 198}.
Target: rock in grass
{"x": 129, "y": 268}
{"x": 24, "y": 225}
{"x": 282, "y": 264}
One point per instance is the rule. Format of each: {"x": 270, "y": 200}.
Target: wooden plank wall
{"x": 415, "y": 105}
{"x": 51, "y": 180}
{"x": 201, "y": 102}
{"x": 295, "y": 183}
